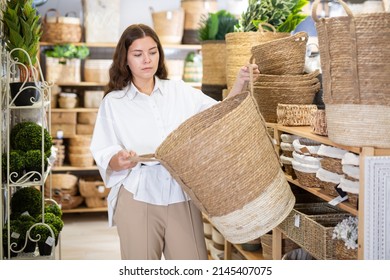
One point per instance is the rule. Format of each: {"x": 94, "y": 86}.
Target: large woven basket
{"x": 61, "y": 29}
{"x": 239, "y": 46}
{"x": 225, "y": 161}
{"x": 356, "y": 82}
{"x": 169, "y": 25}
{"x": 282, "y": 56}
{"x": 295, "y": 115}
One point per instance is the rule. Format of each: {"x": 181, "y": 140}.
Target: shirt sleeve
{"x": 104, "y": 145}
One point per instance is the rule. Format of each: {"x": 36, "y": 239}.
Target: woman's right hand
{"x": 121, "y": 160}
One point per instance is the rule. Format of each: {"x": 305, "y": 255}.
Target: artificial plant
{"x": 215, "y": 26}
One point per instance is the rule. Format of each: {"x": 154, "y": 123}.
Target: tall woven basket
{"x": 169, "y": 25}
{"x": 238, "y": 183}
{"x": 356, "y": 68}
{"x": 239, "y": 46}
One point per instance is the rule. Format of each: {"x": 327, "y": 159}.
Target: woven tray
{"x": 295, "y": 114}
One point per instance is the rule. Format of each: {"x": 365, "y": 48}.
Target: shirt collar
{"x": 132, "y": 90}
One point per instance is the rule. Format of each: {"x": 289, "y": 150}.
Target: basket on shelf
{"x": 97, "y": 70}
{"x": 328, "y": 181}
{"x": 93, "y": 98}
{"x": 238, "y": 49}
{"x": 93, "y": 188}
{"x": 62, "y": 182}
{"x": 63, "y": 70}
{"x": 355, "y": 83}
{"x": 282, "y": 56}
{"x": 81, "y": 160}
{"x": 67, "y": 100}
{"x": 61, "y": 29}
{"x": 95, "y": 202}
{"x": 169, "y": 25}
{"x": 318, "y": 125}
{"x": 295, "y": 114}
{"x": 331, "y": 158}
{"x": 266, "y": 245}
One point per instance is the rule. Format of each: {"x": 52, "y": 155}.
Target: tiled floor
{"x": 86, "y": 236}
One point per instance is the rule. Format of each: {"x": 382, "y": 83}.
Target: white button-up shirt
{"x": 128, "y": 119}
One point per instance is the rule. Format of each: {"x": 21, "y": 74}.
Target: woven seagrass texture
{"x": 266, "y": 244}
{"x": 268, "y": 98}
{"x": 239, "y": 46}
{"x": 60, "y": 32}
{"x": 214, "y": 62}
{"x": 318, "y": 125}
{"x": 359, "y": 75}
{"x": 295, "y": 114}
{"x": 342, "y": 252}
{"x": 225, "y": 161}
{"x": 169, "y": 25}
{"x": 348, "y": 124}
{"x": 353, "y": 199}
{"x": 288, "y": 78}
{"x": 64, "y": 183}
{"x": 282, "y": 56}
{"x": 93, "y": 188}
{"x": 328, "y": 188}
{"x": 332, "y": 164}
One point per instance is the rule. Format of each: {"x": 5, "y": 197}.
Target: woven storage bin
{"x": 318, "y": 235}
{"x": 59, "y": 70}
{"x": 93, "y": 189}
{"x": 318, "y": 125}
{"x": 331, "y": 158}
{"x": 63, "y": 117}
{"x": 282, "y": 56}
{"x": 67, "y": 100}
{"x": 355, "y": 83}
{"x": 265, "y": 78}
{"x": 306, "y": 146}
{"x": 306, "y": 174}
{"x": 214, "y": 62}
{"x": 84, "y": 129}
{"x": 84, "y": 141}
{"x": 60, "y": 29}
{"x": 268, "y": 98}
{"x": 342, "y": 252}
{"x": 238, "y": 49}
{"x": 254, "y": 196}
{"x": 97, "y": 70}
{"x": 169, "y": 25}
{"x": 81, "y": 160}
{"x": 295, "y": 115}
{"x": 287, "y": 165}
{"x": 67, "y": 201}
{"x": 294, "y": 225}
{"x": 65, "y": 183}
{"x": 94, "y": 202}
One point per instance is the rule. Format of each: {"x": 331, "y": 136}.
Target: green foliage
{"x": 53, "y": 208}
{"x": 22, "y": 29}
{"x": 67, "y": 51}
{"x": 25, "y": 222}
{"x": 26, "y": 199}
{"x": 53, "y": 220}
{"x": 16, "y": 129}
{"x": 43, "y": 232}
{"x": 33, "y": 161}
{"x": 29, "y": 137}
{"x": 16, "y": 162}
{"x": 14, "y": 227}
{"x": 284, "y": 15}
{"x": 216, "y": 25}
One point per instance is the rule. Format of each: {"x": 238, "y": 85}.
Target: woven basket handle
{"x": 143, "y": 158}
{"x": 52, "y": 10}
{"x": 262, "y": 30}
{"x": 315, "y": 5}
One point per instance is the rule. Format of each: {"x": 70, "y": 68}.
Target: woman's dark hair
{"x": 120, "y": 74}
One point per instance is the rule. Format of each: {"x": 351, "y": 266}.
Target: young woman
{"x": 141, "y": 107}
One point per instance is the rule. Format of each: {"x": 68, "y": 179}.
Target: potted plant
{"x": 63, "y": 62}
{"x": 26, "y": 199}
{"x": 14, "y": 239}
{"x": 33, "y": 162}
{"x": 45, "y": 235}
{"x": 212, "y": 31}
{"x": 29, "y": 137}
{"x": 25, "y": 222}
{"x": 53, "y": 208}
{"x": 22, "y": 32}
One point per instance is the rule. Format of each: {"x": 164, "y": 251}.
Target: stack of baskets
{"x": 331, "y": 172}
{"x": 94, "y": 192}
{"x": 283, "y": 81}
{"x": 350, "y": 183}
{"x": 85, "y": 123}
{"x": 63, "y": 189}
{"x": 60, "y": 152}
{"x": 79, "y": 153}
{"x": 287, "y": 149}
{"x": 306, "y": 162}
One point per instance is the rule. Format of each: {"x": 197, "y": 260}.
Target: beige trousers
{"x": 147, "y": 231}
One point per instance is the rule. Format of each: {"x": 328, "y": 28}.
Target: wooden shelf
{"x": 84, "y": 209}
{"x": 81, "y": 110}
{"x": 73, "y": 168}
{"x": 81, "y": 84}
{"x": 249, "y": 255}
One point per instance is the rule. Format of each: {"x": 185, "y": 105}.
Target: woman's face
{"x": 143, "y": 58}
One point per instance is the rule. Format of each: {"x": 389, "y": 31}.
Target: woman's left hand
{"x": 243, "y": 77}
